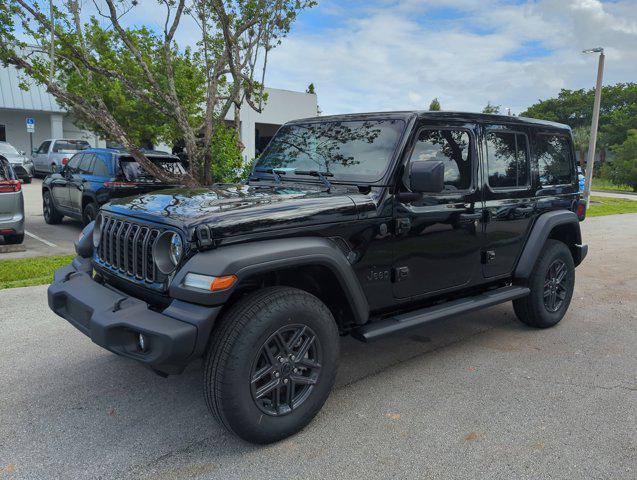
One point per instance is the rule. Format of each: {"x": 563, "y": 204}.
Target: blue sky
{"x": 383, "y": 54}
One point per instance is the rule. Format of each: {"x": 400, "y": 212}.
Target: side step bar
{"x": 404, "y": 321}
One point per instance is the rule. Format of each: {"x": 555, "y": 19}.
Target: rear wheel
{"x": 272, "y": 364}
{"x": 51, "y": 215}
{"x": 551, "y": 284}
{"x": 26, "y": 179}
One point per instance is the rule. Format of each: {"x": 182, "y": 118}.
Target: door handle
{"x": 470, "y": 217}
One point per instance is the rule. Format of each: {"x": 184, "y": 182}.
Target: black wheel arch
{"x": 313, "y": 264}
{"x": 562, "y": 225}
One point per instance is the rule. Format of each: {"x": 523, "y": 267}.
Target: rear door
{"x": 79, "y": 180}
{"x": 60, "y": 183}
{"x": 508, "y": 193}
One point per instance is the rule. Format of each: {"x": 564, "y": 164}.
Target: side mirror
{"x": 427, "y": 176}
{"x": 22, "y": 152}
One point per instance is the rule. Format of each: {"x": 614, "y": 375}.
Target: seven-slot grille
{"x": 128, "y": 248}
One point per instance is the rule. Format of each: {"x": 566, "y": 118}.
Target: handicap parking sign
{"x": 30, "y": 125}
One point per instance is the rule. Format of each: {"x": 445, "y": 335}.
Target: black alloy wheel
{"x": 555, "y": 288}
{"x": 286, "y": 369}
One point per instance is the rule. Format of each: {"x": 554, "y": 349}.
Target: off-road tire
{"x": 51, "y": 215}
{"x": 89, "y": 213}
{"x": 533, "y": 310}
{"x": 236, "y": 341}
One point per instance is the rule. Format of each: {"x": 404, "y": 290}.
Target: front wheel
{"x": 551, "y": 284}
{"x": 272, "y": 364}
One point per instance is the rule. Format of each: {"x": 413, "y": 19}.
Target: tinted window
{"x": 99, "y": 167}
{"x": 86, "y": 165}
{"x": 133, "y": 171}
{"x": 508, "y": 160}
{"x": 69, "y": 146}
{"x": 554, "y": 160}
{"x": 44, "y": 148}
{"x": 5, "y": 171}
{"x": 74, "y": 163}
{"x": 352, "y": 149}
{"x": 452, "y": 147}
{"x": 3, "y": 133}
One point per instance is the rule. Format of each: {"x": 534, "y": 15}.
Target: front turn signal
{"x": 206, "y": 282}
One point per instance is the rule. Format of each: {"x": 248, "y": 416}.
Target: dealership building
{"x": 52, "y": 121}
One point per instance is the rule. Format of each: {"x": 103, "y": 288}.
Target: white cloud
{"x": 384, "y": 57}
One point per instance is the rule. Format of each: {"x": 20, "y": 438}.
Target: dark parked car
{"x": 11, "y": 204}
{"x": 95, "y": 176}
{"x": 365, "y": 225}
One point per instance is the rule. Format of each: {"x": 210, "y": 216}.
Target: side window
{"x": 86, "y": 165}
{"x": 507, "y": 159}
{"x": 74, "y": 163}
{"x": 453, "y": 148}
{"x": 99, "y": 167}
{"x": 44, "y": 148}
{"x": 554, "y": 160}
{"x": 3, "y": 133}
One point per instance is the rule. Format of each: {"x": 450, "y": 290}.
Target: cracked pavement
{"x": 478, "y": 396}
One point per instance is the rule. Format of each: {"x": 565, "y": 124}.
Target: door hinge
{"x": 400, "y": 274}
{"x": 403, "y": 225}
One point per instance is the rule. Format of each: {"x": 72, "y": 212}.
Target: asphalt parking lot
{"x": 40, "y": 238}
{"x": 479, "y": 396}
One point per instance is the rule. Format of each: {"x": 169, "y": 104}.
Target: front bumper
{"x": 22, "y": 170}
{"x": 114, "y": 320}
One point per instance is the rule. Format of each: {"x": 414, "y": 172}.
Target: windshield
{"x": 350, "y": 150}
{"x": 7, "y": 148}
{"x": 69, "y": 146}
{"x": 133, "y": 171}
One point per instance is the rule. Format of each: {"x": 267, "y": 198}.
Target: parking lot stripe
{"x": 41, "y": 239}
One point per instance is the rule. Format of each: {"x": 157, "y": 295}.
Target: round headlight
{"x": 176, "y": 248}
{"x": 168, "y": 251}
{"x": 97, "y": 231}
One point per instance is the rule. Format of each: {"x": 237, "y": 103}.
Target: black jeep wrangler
{"x": 357, "y": 224}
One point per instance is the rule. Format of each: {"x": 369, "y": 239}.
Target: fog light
{"x": 142, "y": 343}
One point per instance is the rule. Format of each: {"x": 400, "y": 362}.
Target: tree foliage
{"x": 623, "y": 169}
{"x": 434, "y": 106}
{"x": 489, "y": 108}
{"x": 103, "y": 70}
{"x": 618, "y": 112}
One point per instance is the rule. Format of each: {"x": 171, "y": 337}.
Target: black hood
{"x": 237, "y": 209}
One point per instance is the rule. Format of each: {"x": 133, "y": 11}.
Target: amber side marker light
{"x": 207, "y": 282}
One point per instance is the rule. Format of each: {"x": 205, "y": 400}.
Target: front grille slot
{"x": 128, "y": 248}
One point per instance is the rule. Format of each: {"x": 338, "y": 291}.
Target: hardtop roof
{"x": 442, "y": 115}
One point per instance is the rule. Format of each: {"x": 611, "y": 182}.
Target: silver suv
{"x": 55, "y": 153}
{"x": 21, "y": 164}
{"x": 11, "y": 205}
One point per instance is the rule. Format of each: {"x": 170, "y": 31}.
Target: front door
{"x": 437, "y": 235}
{"x": 40, "y": 156}
{"x": 509, "y": 199}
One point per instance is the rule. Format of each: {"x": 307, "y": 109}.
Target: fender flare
{"x": 247, "y": 259}
{"x": 540, "y": 232}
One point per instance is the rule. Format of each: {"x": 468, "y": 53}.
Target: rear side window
{"x": 99, "y": 167}
{"x": 554, "y": 160}
{"x": 133, "y": 171}
{"x": 507, "y": 159}
{"x": 5, "y": 171}
{"x": 69, "y": 146}
{"x": 453, "y": 148}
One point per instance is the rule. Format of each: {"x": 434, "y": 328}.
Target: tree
{"x": 581, "y": 138}
{"x": 495, "y": 109}
{"x": 623, "y": 169}
{"x": 618, "y": 113}
{"x": 192, "y": 91}
{"x": 310, "y": 89}
{"x": 434, "y": 106}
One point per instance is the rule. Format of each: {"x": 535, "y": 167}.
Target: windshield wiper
{"x": 276, "y": 173}
{"x": 315, "y": 173}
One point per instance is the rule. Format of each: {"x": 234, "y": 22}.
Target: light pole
{"x": 595, "y": 121}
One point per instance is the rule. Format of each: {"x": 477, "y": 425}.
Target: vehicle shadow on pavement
{"x": 127, "y": 414}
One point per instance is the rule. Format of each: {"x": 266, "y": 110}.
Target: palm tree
{"x": 581, "y": 137}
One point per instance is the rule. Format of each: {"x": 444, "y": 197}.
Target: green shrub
{"x": 623, "y": 169}
{"x": 227, "y": 161}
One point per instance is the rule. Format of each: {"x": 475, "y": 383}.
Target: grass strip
{"x": 25, "y": 272}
